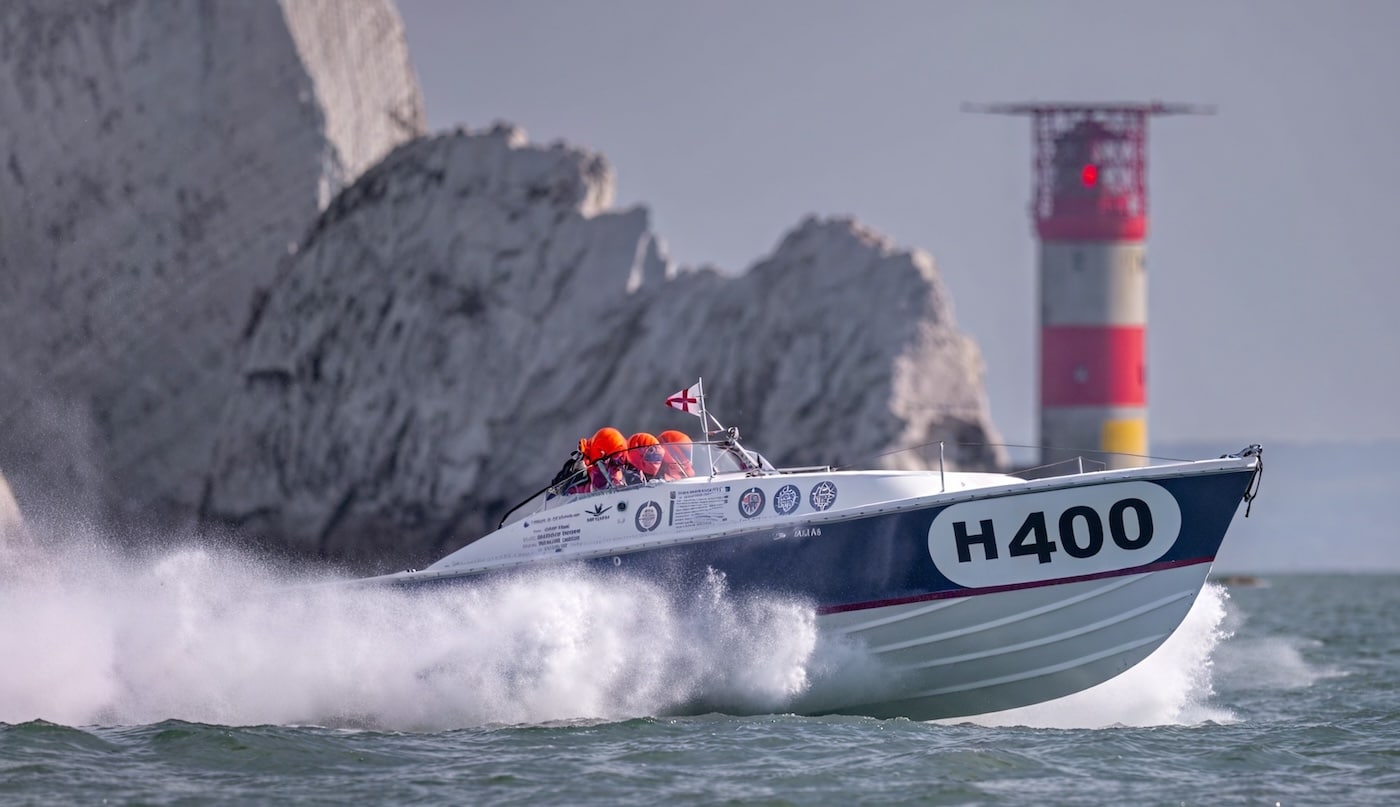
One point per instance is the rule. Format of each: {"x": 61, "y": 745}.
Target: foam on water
{"x": 213, "y": 636}
{"x": 1268, "y": 661}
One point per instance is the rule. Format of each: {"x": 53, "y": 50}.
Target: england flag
{"x": 687, "y": 400}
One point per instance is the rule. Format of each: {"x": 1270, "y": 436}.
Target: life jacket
{"x": 671, "y": 470}
{"x": 606, "y": 473}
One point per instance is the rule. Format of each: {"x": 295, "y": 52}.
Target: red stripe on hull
{"x": 1093, "y": 366}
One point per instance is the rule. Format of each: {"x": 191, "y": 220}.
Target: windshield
{"x": 637, "y": 466}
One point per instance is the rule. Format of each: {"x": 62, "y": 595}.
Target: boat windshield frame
{"x": 724, "y": 457}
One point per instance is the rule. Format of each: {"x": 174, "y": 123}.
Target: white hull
{"x": 985, "y": 653}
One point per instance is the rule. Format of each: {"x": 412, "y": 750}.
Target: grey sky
{"x": 1273, "y": 223}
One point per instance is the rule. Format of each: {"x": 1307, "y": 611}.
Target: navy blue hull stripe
{"x": 973, "y": 592}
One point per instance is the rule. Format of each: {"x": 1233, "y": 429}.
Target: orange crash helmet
{"x": 606, "y": 442}
{"x": 646, "y": 453}
{"x": 678, "y": 452}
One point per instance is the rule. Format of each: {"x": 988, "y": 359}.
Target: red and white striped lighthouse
{"x": 1090, "y": 210}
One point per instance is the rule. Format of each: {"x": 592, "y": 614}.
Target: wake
{"x": 216, "y": 637}
{"x": 93, "y": 637}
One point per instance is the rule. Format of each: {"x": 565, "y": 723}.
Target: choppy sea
{"x": 199, "y": 676}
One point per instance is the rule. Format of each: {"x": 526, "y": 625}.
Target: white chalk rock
{"x": 159, "y": 158}
{"x": 471, "y": 307}
{"x": 11, "y": 523}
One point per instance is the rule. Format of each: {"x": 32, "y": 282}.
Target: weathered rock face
{"x": 470, "y": 307}
{"x": 11, "y": 524}
{"x": 175, "y": 341}
{"x": 157, "y": 159}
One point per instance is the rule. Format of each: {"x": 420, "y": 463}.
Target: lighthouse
{"x": 1089, "y": 204}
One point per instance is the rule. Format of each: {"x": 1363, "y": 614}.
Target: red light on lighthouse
{"x": 1089, "y": 175}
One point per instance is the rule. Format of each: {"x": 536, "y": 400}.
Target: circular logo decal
{"x": 648, "y": 516}
{"x": 787, "y": 498}
{"x": 751, "y": 502}
{"x": 823, "y": 495}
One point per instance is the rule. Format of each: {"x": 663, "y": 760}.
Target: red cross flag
{"x": 687, "y": 400}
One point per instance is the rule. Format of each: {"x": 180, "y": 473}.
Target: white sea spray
{"x": 210, "y": 636}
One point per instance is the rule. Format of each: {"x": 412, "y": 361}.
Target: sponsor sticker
{"x": 553, "y": 532}
{"x": 823, "y": 495}
{"x": 751, "y": 502}
{"x": 700, "y": 507}
{"x": 648, "y": 517}
{"x": 787, "y": 498}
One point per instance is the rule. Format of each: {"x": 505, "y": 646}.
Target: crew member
{"x": 675, "y": 464}
{"x": 573, "y": 477}
{"x": 605, "y": 450}
{"x": 644, "y": 456}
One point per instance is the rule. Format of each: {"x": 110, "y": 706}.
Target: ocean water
{"x": 193, "y": 675}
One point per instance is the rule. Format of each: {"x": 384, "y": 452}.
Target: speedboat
{"x": 972, "y": 592}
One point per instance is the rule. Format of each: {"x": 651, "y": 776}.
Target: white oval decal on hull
{"x": 1035, "y": 537}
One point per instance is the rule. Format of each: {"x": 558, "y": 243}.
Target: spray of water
{"x": 1267, "y": 662}
{"x": 1173, "y": 686}
{"x": 96, "y": 637}
{"x": 216, "y": 637}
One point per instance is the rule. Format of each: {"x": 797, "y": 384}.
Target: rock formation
{"x": 11, "y": 524}
{"x": 459, "y": 317}
{"x": 158, "y": 158}
{"x": 202, "y": 318}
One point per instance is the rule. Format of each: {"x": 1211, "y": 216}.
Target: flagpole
{"x": 705, "y": 425}
{"x": 705, "y": 417}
